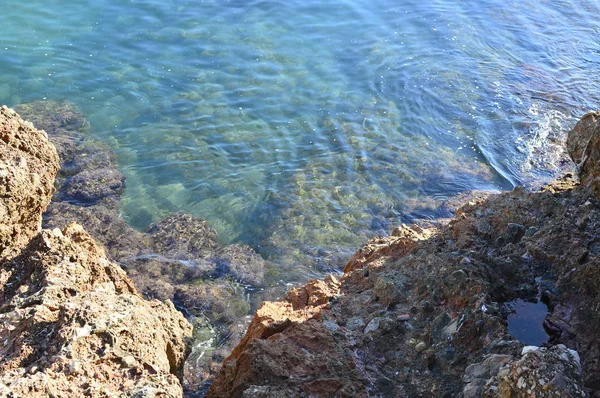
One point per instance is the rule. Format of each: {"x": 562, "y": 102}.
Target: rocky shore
{"x": 178, "y": 259}
{"x": 423, "y": 313}
{"x": 426, "y": 312}
{"x": 71, "y": 322}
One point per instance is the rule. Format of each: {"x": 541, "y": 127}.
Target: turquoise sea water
{"x": 305, "y": 127}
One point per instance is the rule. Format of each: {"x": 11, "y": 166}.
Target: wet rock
{"x": 28, "y": 165}
{"x": 243, "y": 264}
{"x": 54, "y": 117}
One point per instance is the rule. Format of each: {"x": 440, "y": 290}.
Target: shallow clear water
{"x": 305, "y": 127}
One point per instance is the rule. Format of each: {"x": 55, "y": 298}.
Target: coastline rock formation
{"x": 71, "y": 322}
{"x": 178, "y": 259}
{"x": 419, "y": 316}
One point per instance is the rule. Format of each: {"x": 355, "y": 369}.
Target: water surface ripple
{"x": 304, "y": 127}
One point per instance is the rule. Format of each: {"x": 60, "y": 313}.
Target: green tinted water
{"x": 303, "y": 127}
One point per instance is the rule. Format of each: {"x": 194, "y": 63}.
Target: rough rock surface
{"x": 425, "y": 317}
{"x": 28, "y": 164}
{"x": 74, "y": 325}
{"x": 71, "y": 322}
{"x": 541, "y": 372}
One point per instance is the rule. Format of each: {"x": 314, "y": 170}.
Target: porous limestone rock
{"x": 28, "y": 165}
{"x": 72, "y": 324}
{"x": 541, "y": 372}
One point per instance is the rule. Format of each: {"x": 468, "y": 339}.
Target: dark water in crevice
{"x": 525, "y": 323}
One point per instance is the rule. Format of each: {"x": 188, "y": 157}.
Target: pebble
{"x": 128, "y": 361}
{"x": 420, "y": 347}
{"x": 355, "y": 323}
{"x": 331, "y": 326}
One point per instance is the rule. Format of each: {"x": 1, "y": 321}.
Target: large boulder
{"x": 583, "y": 144}
{"x": 28, "y": 165}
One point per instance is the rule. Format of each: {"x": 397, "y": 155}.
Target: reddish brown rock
{"x": 279, "y": 351}
{"x": 28, "y": 165}
{"x": 402, "y": 241}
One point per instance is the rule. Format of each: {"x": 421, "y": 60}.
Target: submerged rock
{"x": 90, "y": 186}
{"x": 53, "y": 117}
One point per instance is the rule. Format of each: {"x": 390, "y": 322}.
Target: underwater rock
{"x": 28, "y": 165}
{"x": 53, "y": 117}
{"x": 178, "y": 258}
{"x": 90, "y": 186}
{"x": 183, "y": 235}
{"x": 433, "y": 309}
